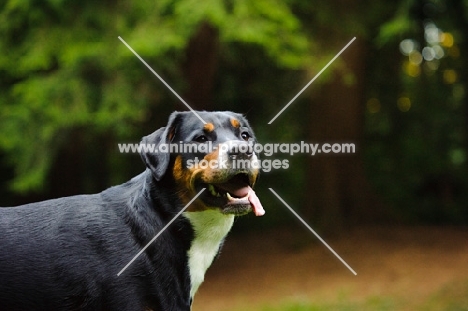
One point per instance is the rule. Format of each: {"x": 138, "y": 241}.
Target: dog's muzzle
{"x": 232, "y": 172}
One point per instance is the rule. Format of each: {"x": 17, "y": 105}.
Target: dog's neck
{"x": 210, "y": 228}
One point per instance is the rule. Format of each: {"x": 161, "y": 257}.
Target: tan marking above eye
{"x": 235, "y": 123}
{"x": 208, "y": 127}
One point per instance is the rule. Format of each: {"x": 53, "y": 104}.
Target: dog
{"x": 65, "y": 254}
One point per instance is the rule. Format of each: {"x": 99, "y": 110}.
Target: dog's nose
{"x": 241, "y": 151}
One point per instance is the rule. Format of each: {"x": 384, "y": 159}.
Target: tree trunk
{"x": 339, "y": 192}
{"x": 200, "y": 67}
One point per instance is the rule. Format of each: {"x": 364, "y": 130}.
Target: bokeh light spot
{"x": 415, "y": 57}
{"x": 407, "y": 46}
{"x": 447, "y": 39}
{"x": 450, "y": 76}
{"x": 404, "y": 104}
{"x": 411, "y": 69}
{"x": 373, "y": 105}
{"x": 428, "y": 53}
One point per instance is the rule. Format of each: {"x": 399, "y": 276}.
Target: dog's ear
{"x": 156, "y": 161}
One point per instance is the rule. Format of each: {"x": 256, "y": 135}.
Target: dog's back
{"x": 64, "y": 254}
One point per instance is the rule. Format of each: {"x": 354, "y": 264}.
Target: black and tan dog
{"x": 64, "y": 254}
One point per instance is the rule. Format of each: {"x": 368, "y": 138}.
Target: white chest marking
{"x": 210, "y": 227}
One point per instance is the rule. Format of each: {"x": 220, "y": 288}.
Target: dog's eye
{"x": 201, "y": 139}
{"x": 245, "y": 136}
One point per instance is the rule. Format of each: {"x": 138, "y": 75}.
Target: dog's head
{"x": 218, "y": 156}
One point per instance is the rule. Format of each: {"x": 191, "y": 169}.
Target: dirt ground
{"x": 410, "y": 264}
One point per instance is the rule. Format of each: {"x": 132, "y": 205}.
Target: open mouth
{"x": 234, "y": 196}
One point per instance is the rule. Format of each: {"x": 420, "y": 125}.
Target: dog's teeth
{"x": 228, "y": 196}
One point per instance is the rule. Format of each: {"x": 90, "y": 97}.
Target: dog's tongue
{"x": 241, "y": 190}
{"x": 255, "y": 202}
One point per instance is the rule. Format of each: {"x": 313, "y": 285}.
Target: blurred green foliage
{"x": 416, "y": 113}
{"x": 64, "y": 69}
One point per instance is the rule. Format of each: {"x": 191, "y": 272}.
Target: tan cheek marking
{"x": 183, "y": 177}
{"x": 235, "y": 123}
{"x": 177, "y": 170}
{"x": 208, "y": 127}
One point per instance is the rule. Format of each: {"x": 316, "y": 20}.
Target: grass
{"x": 371, "y": 304}
{"x": 404, "y": 269}
{"x": 452, "y": 297}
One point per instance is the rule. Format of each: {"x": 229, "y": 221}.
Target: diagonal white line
{"x": 160, "y": 232}
{"x": 159, "y": 77}
{"x": 312, "y": 230}
{"x": 316, "y": 76}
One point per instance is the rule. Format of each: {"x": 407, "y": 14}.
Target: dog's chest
{"x": 210, "y": 228}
